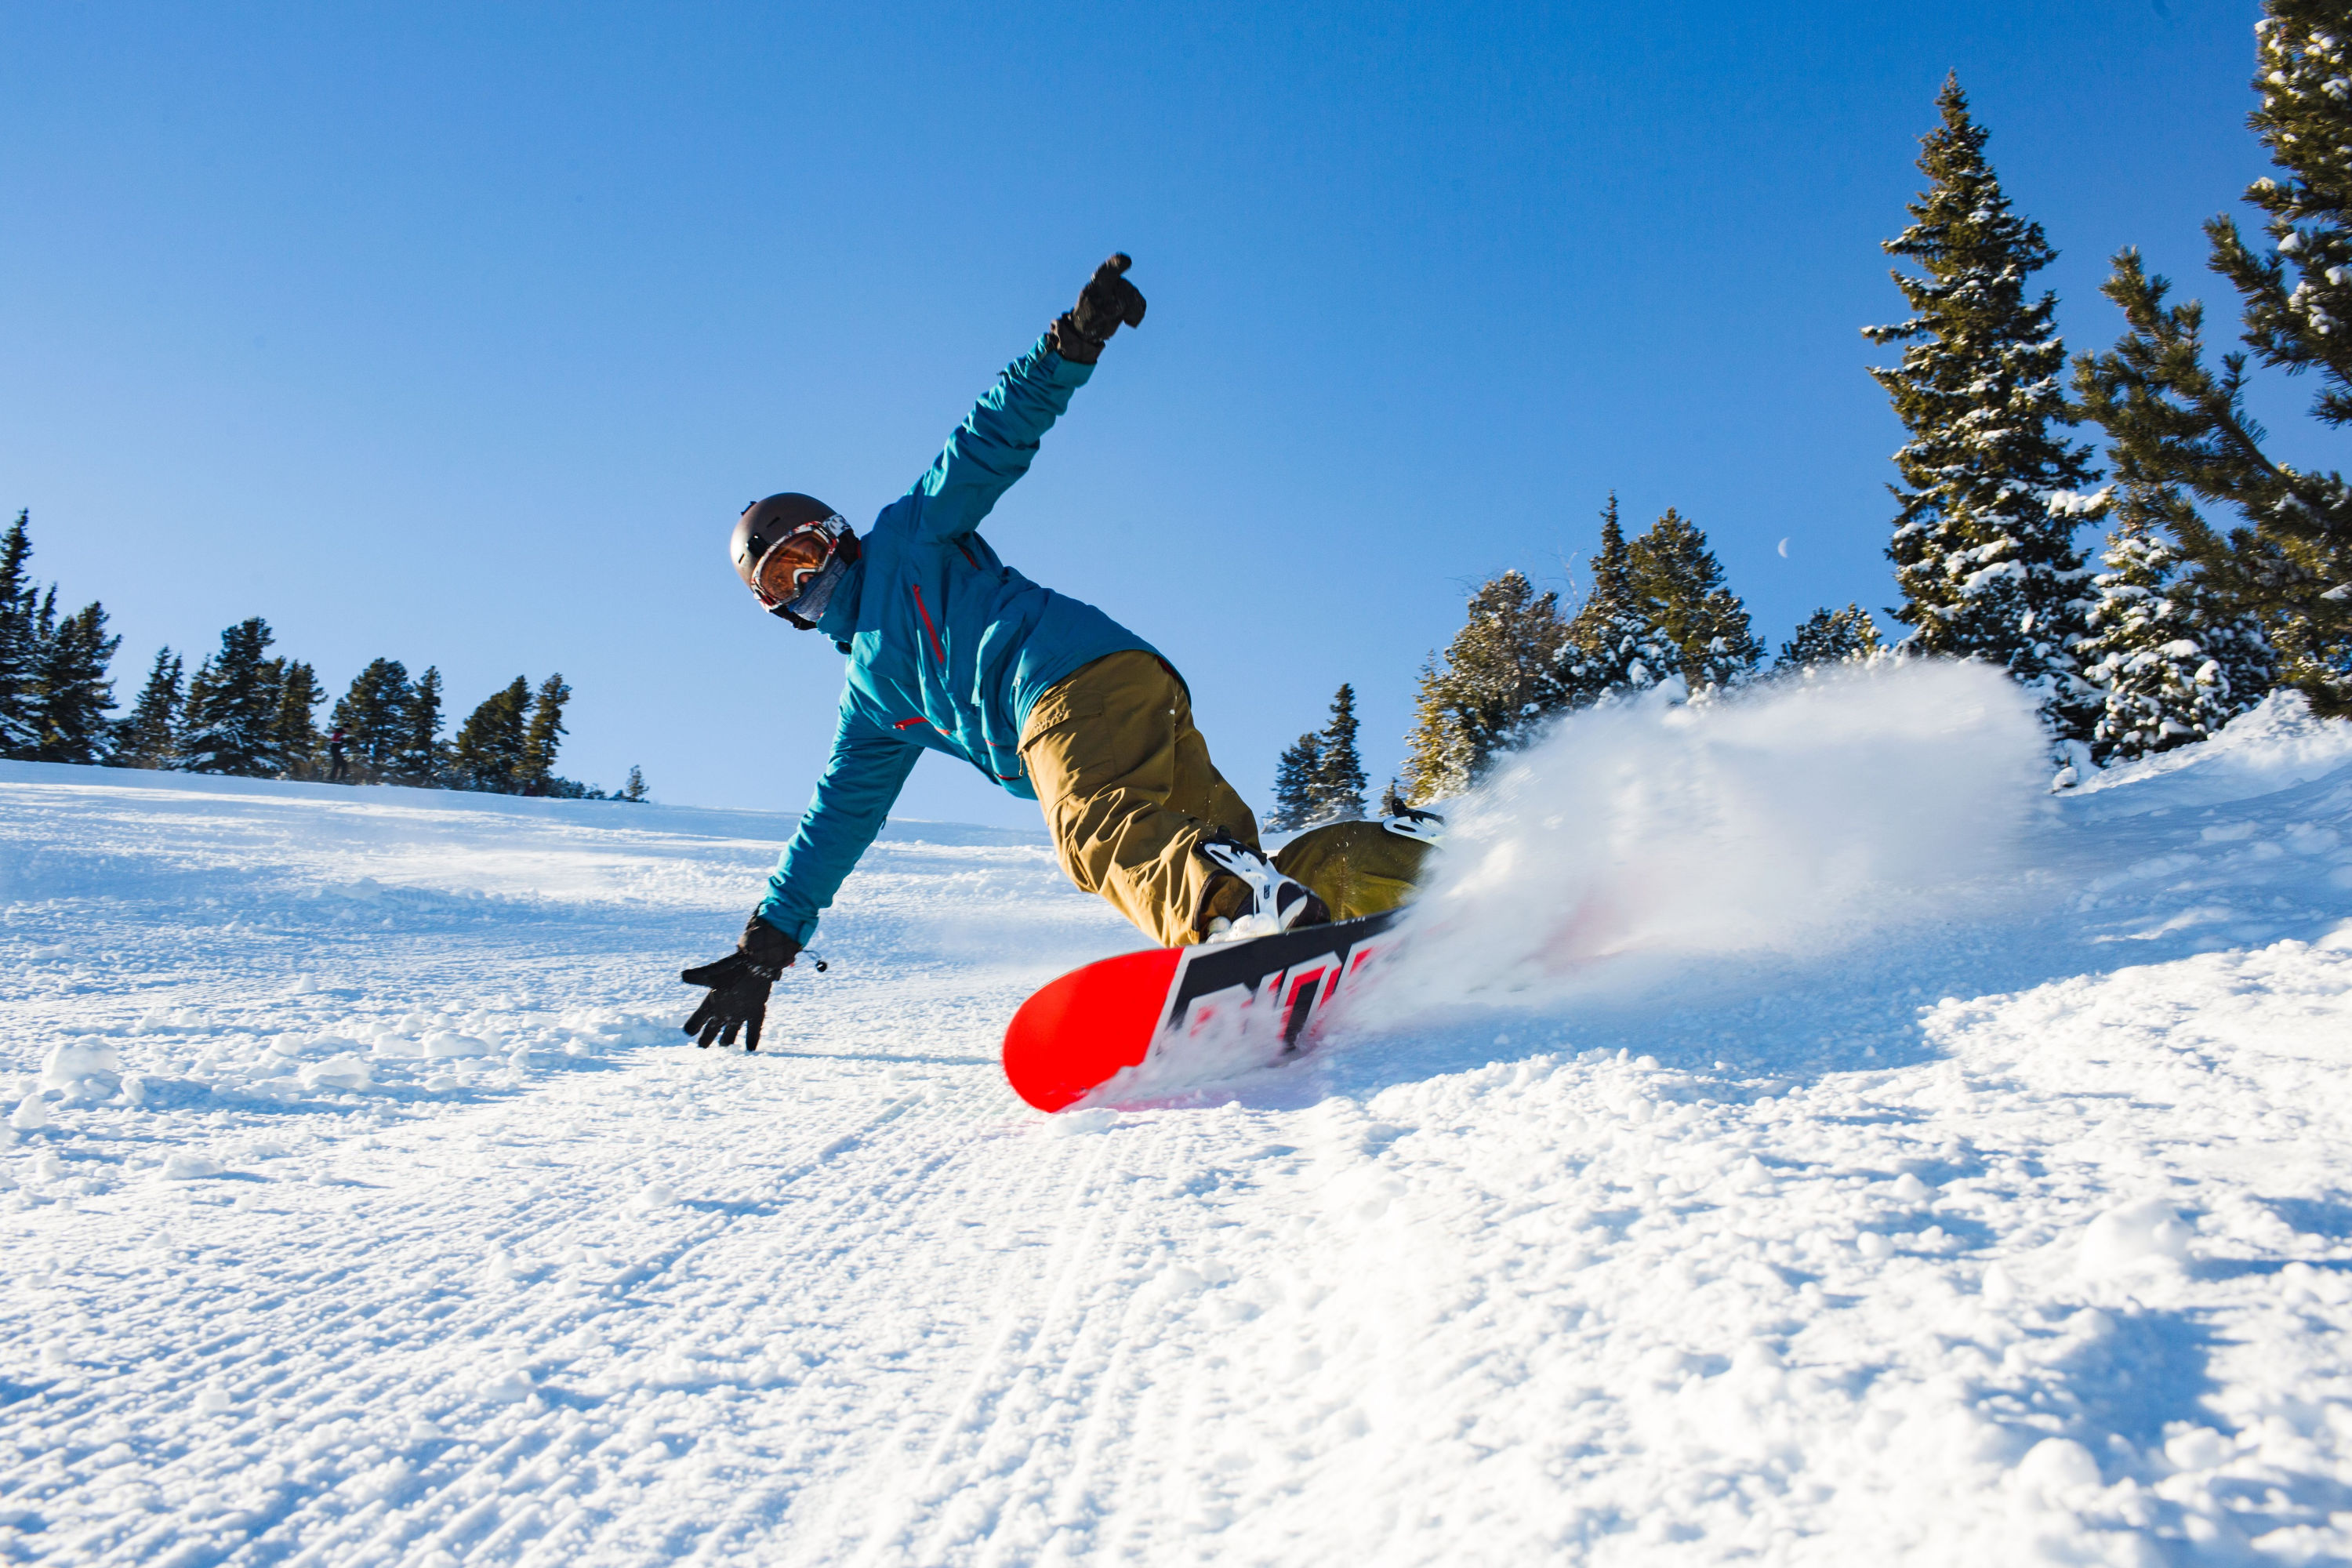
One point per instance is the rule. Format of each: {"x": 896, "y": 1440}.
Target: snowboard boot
{"x": 1252, "y": 899}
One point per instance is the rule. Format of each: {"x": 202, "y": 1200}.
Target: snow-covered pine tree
{"x": 72, "y": 693}
{"x": 1831, "y": 637}
{"x": 2178, "y": 430}
{"x": 18, "y": 645}
{"x": 1392, "y": 802}
{"x": 1294, "y": 783}
{"x": 536, "y": 774}
{"x": 489, "y": 743}
{"x": 373, "y": 716}
{"x": 1497, "y": 682}
{"x": 1680, "y": 585}
{"x": 1338, "y": 784}
{"x": 1613, "y": 646}
{"x": 147, "y": 736}
{"x": 296, "y": 730}
{"x": 1988, "y": 570}
{"x": 420, "y": 757}
{"x": 2174, "y": 664}
{"x": 635, "y": 790}
{"x": 232, "y": 708}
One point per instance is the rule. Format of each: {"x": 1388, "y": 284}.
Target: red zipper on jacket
{"x": 923, "y": 610}
{"x": 917, "y": 590}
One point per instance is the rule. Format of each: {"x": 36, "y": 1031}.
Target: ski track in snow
{"x": 2008, "y": 1242}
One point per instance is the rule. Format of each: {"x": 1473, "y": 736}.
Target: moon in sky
{"x": 1784, "y": 550}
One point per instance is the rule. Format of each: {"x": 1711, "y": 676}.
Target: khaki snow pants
{"x": 1355, "y": 868}
{"x": 1128, "y": 789}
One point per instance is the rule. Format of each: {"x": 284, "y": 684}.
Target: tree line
{"x": 249, "y": 714}
{"x": 2228, "y": 573}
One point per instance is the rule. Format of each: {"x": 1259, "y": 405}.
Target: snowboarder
{"x": 337, "y": 768}
{"x": 951, "y": 650}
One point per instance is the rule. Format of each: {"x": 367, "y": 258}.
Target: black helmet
{"x": 818, "y": 534}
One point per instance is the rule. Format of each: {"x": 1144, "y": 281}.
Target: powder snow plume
{"x": 1635, "y": 842}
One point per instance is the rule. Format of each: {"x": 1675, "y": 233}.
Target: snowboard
{"x": 1232, "y": 1005}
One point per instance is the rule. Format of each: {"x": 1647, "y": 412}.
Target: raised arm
{"x": 998, "y": 439}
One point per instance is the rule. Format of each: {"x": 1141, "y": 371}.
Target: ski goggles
{"x": 788, "y": 564}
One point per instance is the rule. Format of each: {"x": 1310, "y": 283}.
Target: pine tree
{"x": 2178, "y": 430}
{"x": 421, "y": 758}
{"x": 1392, "y": 803}
{"x": 489, "y": 754}
{"x": 2174, "y": 665}
{"x": 1831, "y": 637}
{"x": 37, "y": 625}
{"x": 271, "y": 762}
{"x": 146, "y": 737}
{"x": 1681, "y": 589}
{"x": 536, "y": 773}
{"x": 232, "y": 707}
{"x": 1988, "y": 570}
{"x": 635, "y": 790}
{"x": 18, "y": 645}
{"x": 1294, "y": 783}
{"x": 1614, "y": 648}
{"x": 53, "y": 690}
{"x": 1339, "y": 782}
{"x": 1498, "y": 682}
{"x": 375, "y": 718}
{"x": 294, "y": 729}
{"x": 72, "y": 693}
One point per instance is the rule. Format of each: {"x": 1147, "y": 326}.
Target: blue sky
{"x": 459, "y": 334}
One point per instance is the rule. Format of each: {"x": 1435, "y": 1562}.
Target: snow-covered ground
{"x": 374, "y": 1210}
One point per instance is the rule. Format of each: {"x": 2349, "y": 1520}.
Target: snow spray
{"x": 1637, "y": 841}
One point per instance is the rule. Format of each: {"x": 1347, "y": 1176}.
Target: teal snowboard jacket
{"x": 948, "y": 647}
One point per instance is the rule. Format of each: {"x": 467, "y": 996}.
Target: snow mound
{"x": 2274, "y": 746}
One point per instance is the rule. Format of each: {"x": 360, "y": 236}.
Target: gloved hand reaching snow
{"x": 739, "y": 985}
{"x": 1108, "y": 303}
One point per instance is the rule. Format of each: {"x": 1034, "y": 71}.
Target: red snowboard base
{"x": 1079, "y": 1032}
{"x": 1081, "y": 1029}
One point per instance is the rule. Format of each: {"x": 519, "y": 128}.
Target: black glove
{"x": 1108, "y": 303}
{"x": 739, "y": 985}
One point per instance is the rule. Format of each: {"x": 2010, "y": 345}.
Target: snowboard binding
{"x": 1421, "y": 826}
{"x": 1276, "y": 904}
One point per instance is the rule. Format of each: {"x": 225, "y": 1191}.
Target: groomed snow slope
{"x": 374, "y": 1211}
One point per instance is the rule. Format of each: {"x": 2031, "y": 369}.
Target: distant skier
{"x": 951, "y": 650}
{"x": 337, "y": 768}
